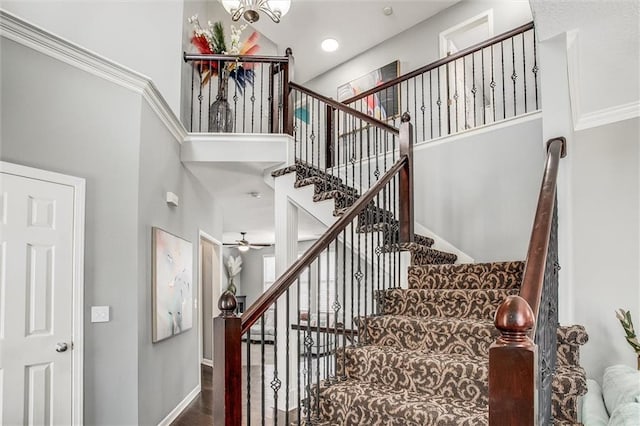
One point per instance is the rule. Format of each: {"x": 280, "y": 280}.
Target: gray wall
{"x": 97, "y": 141}
{"x": 171, "y": 365}
{"x": 75, "y": 123}
{"x": 419, "y": 45}
{"x": 479, "y": 191}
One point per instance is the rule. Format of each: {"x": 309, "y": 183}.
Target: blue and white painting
{"x": 172, "y": 285}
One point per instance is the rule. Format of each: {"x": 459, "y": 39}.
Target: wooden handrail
{"x": 280, "y": 286}
{"x": 232, "y": 58}
{"x": 440, "y": 62}
{"x": 533, "y": 277}
{"x": 344, "y": 108}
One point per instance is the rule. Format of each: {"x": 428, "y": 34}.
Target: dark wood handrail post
{"x": 287, "y": 98}
{"x": 227, "y": 367}
{"x": 330, "y": 145}
{"x": 512, "y": 366}
{"x": 406, "y": 180}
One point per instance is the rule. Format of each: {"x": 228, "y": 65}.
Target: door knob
{"x": 61, "y": 347}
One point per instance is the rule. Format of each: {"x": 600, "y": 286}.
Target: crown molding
{"x": 609, "y": 115}
{"x": 40, "y": 40}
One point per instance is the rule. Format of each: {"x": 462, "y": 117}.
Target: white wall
{"x": 419, "y": 45}
{"x": 605, "y": 179}
{"x": 479, "y": 190}
{"x": 606, "y": 64}
{"x": 143, "y": 35}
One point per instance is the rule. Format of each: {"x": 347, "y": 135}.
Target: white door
{"x": 36, "y": 301}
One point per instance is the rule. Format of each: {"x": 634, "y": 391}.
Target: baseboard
{"x": 180, "y": 407}
{"x": 206, "y": 362}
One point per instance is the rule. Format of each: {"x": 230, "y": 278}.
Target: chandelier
{"x": 249, "y": 9}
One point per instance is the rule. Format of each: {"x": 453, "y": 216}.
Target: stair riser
{"x": 436, "y": 375}
{"x": 477, "y": 304}
{"x": 474, "y": 341}
{"x": 432, "y": 258}
{"x": 505, "y": 275}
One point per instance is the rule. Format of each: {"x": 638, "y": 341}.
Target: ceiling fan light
{"x": 243, "y": 248}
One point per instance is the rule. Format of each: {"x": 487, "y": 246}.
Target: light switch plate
{"x": 99, "y": 314}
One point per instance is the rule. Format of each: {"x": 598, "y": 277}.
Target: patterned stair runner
{"x": 424, "y": 361}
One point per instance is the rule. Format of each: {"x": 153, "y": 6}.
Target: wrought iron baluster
{"x": 504, "y": 101}
{"x": 524, "y": 72}
{"x": 514, "y": 76}
{"x": 534, "y": 70}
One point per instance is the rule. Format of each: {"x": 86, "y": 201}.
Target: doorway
{"x": 41, "y": 296}
{"x": 210, "y": 290}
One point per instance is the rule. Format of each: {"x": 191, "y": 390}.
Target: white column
{"x": 286, "y": 252}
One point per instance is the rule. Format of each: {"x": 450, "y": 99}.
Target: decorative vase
{"x": 231, "y": 287}
{"x": 220, "y": 113}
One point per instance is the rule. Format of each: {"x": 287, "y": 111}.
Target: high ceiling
{"x": 357, "y": 25}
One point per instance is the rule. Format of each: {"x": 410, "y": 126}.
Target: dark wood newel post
{"x": 406, "y": 180}
{"x": 287, "y": 98}
{"x": 227, "y": 367}
{"x": 513, "y": 361}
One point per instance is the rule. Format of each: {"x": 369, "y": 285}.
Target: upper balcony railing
{"x": 239, "y": 93}
{"x": 485, "y": 83}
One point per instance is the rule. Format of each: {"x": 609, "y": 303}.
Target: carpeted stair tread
{"x": 430, "y": 373}
{"x": 448, "y": 303}
{"x": 467, "y": 275}
{"x": 569, "y": 384}
{"x": 353, "y": 402}
{"x": 422, "y": 254}
{"x": 321, "y": 185}
{"x": 447, "y": 335}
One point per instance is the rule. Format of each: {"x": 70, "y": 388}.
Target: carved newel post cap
{"x": 288, "y": 51}
{"x": 406, "y": 117}
{"x": 227, "y": 304}
{"x": 514, "y": 318}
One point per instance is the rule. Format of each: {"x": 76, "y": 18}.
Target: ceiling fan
{"x": 244, "y": 245}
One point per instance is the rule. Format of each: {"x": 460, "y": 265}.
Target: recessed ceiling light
{"x": 255, "y": 194}
{"x": 330, "y": 45}
{"x": 388, "y": 10}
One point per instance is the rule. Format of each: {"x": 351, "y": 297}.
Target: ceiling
{"x": 357, "y": 25}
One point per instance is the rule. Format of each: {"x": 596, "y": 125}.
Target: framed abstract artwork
{"x": 172, "y": 284}
{"x": 382, "y": 105}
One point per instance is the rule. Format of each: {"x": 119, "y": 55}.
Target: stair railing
{"x": 521, "y": 369}
{"x": 255, "y": 106}
{"x": 271, "y": 364}
{"x": 485, "y": 83}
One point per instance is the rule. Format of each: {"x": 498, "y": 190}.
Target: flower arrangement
{"x": 625, "y": 319}
{"x": 212, "y": 41}
{"x": 233, "y": 266}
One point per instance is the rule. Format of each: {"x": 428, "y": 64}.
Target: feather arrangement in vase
{"x": 625, "y": 320}
{"x": 212, "y": 40}
{"x": 233, "y": 267}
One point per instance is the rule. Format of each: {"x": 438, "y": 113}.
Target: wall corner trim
{"x": 42, "y": 41}
{"x": 180, "y": 407}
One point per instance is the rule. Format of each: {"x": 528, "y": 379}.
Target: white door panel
{"x": 36, "y": 301}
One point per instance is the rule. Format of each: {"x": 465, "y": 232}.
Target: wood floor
{"x": 199, "y": 411}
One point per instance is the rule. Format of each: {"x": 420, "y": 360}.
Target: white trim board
{"x": 173, "y": 414}
{"x": 40, "y": 40}
{"x": 79, "y": 189}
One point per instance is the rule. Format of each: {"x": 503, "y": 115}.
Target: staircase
{"x": 423, "y": 360}
{"x": 457, "y": 344}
